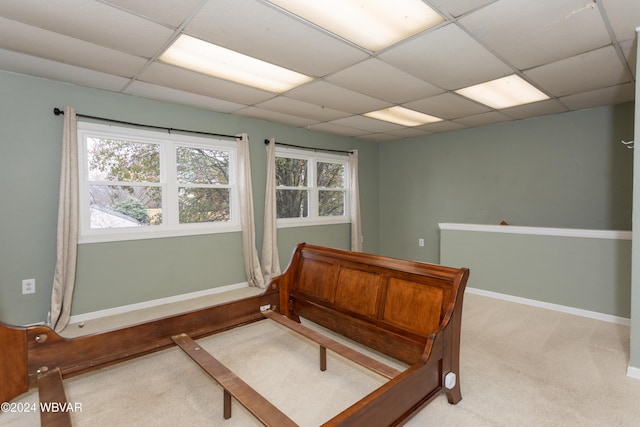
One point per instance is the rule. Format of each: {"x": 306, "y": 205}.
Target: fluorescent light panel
{"x": 505, "y": 92}
{"x": 403, "y": 116}
{"x": 207, "y": 58}
{"x": 372, "y": 24}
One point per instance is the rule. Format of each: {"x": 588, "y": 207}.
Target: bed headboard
{"x": 388, "y": 304}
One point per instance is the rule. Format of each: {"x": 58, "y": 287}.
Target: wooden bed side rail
{"x": 401, "y": 398}
{"x": 327, "y": 343}
{"x": 395, "y": 402}
{"x": 54, "y": 407}
{"x": 28, "y": 351}
{"x": 255, "y": 403}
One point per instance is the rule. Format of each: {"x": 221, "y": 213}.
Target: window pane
{"x": 114, "y": 206}
{"x": 331, "y": 203}
{"x": 330, "y": 175}
{"x": 202, "y": 166}
{"x": 291, "y": 172}
{"x": 292, "y": 203}
{"x": 203, "y": 205}
{"x": 112, "y": 160}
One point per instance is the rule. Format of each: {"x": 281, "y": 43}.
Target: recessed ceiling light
{"x": 198, "y": 55}
{"x": 504, "y": 92}
{"x": 373, "y": 25}
{"x": 403, "y": 116}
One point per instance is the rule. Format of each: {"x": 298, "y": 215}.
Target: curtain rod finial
{"x": 57, "y": 111}
{"x": 267, "y": 142}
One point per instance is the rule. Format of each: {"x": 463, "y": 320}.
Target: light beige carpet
{"x": 520, "y": 366}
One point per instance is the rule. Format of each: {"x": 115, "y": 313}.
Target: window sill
{"x": 296, "y": 222}
{"x": 160, "y": 234}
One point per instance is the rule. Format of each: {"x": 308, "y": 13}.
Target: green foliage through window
{"x": 149, "y": 179}
{"x": 310, "y": 186}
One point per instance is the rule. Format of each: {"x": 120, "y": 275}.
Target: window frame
{"x": 313, "y": 158}
{"x": 168, "y": 144}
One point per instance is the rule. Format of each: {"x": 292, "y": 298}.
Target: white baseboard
{"x": 153, "y": 303}
{"x": 35, "y": 324}
{"x": 555, "y": 307}
{"x": 633, "y": 372}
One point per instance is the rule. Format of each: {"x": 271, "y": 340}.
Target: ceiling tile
{"x": 562, "y": 47}
{"x": 593, "y": 70}
{"x": 328, "y": 95}
{"x": 377, "y": 137}
{"x": 383, "y": 82}
{"x": 302, "y": 109}
{"x": 366, "y": 123}
{"x": 630, "y": 51}
{"x": 408, "y": 133}
{"x": 337, "y": 129}
{"x": 459, "y": 7}
{"x": 445, "y": 126}
{"x": 483, "y": 119}
{"x": 606, "y": 96}
{"x": 624, "y": 17}
{"x": 28, "y": 39}
{"x": 38, "y": 67}
{"x": 273, "y": 116}
{"x": 444, "y": 57}
{"x": 534, "y": 109}
{"x": 530, "y": 33}
{"x": 175, "y": 96}
{"x": 447, "y": 106}
{"x": 261, "y": 31}
{"x": 168, "y": 12}
{"x": 100, "y": 24}
{"x": 178, "y": 78}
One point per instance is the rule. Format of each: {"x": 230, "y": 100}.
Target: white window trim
{"x": 167, "y": 143}
{"x": 314, "y": 219}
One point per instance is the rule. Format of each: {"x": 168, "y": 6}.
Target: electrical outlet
{"x": 28, "y": 286}
{"x": 420, "y": 242}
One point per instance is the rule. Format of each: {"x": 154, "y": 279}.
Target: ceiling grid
{"x": 581, "y": 53}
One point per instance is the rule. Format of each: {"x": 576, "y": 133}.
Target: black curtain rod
{"x": 267, "y": 142}
{"x": 58, "y": 112}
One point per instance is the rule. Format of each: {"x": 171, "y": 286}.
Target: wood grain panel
{"x": 317, "y": 279}
{"x": 50, "y": 392}
{"x": 413, "y": 306}
{"x": 13, "y": 362}
{"x": 358, "y": 291}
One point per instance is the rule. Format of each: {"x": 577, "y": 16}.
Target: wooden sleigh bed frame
{"x": 407, "y": 310}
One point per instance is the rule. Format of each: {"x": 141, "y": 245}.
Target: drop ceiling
{"x": 581, "y": 53}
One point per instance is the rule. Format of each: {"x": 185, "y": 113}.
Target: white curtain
{"x": 249, "y": 252}
{"x": 270, "y": 259}
{"x": 67, "y": 238}
{"x": 356, "y": 227}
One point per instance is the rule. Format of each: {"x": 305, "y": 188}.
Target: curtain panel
{"x": 356, "y": 227}
{"x": 249, "y": 252}
{"x": 67, "y": 234}
{"x": 270, "y": 258}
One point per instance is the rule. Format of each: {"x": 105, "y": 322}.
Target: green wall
{"x": 586, "y": 273}
{"x": 567, "y": 170}
{"x": 121, "y": 273}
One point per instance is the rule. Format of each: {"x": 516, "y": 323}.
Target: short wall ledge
{"x": 538, "y": 231}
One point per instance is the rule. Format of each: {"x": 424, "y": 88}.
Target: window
{"x": 311, "y": 189}
{"x": 138, "y": 184}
